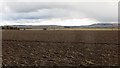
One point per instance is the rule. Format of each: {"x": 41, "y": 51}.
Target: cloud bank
{"x": 58, "y": 13}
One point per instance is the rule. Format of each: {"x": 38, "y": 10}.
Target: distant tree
{"x": 44, "y": 28}
{"x": 66, "y": 27}
{"x": 10, "y": 28}
{"x": 3, "y": 27}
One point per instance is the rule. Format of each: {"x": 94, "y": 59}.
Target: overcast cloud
{"x": 58, "y": 13}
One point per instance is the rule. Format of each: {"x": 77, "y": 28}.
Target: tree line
{"x": 10, "y": 28}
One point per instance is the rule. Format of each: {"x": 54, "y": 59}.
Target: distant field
{"x": 60, "y": 47}
{"x": 79, "y": 29}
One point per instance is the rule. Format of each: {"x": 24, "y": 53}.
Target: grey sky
{"x": 96, "y": 12}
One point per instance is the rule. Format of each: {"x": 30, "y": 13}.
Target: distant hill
{"x": 104, "y": 25}
{"x": 98, "y": 25}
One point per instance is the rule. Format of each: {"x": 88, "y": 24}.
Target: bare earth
{"x": 60, "y": 47}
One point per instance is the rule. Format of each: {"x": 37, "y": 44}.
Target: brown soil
{"x": 59, "y": 48}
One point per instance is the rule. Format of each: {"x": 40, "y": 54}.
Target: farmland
{"x": 60, "y": 47}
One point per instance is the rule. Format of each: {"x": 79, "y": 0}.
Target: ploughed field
{"x": 59, "y": 47}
